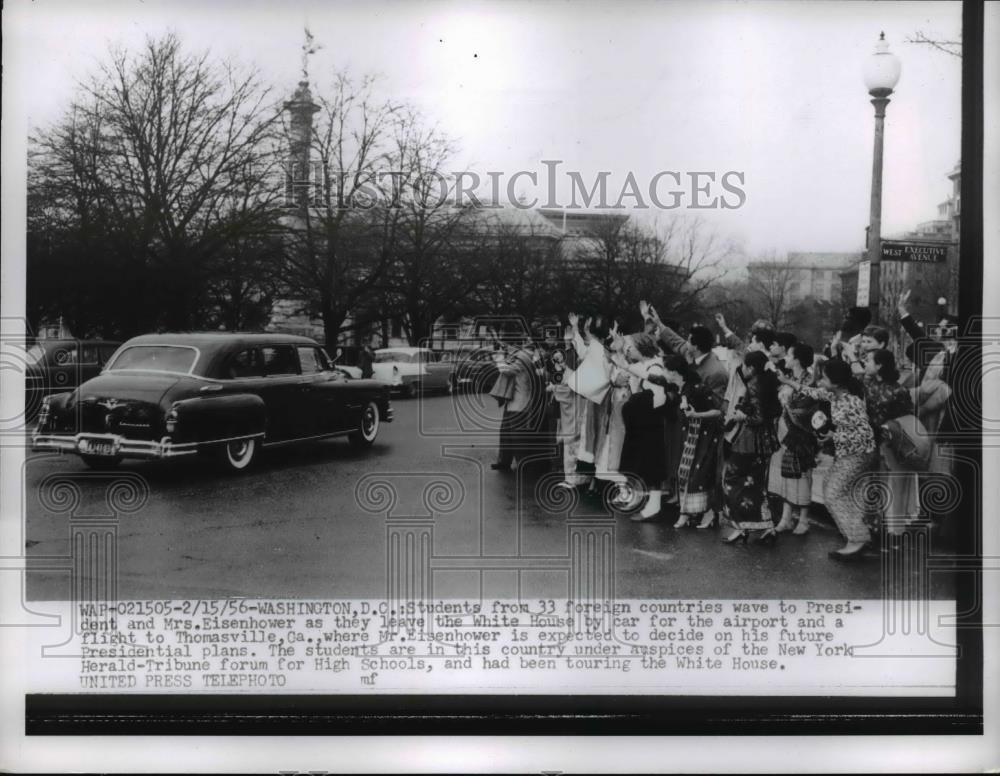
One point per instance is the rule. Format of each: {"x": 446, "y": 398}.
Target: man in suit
{"x": 523, "y": 404}
{"x": 697, "y": 349}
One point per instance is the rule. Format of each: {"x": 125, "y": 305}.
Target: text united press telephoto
{"x": 541, "y": 352}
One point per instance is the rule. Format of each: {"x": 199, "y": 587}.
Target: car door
{"x": 323, "y": 409}
{"x": 284, "y": 393}
{"x": 435, "y": 372}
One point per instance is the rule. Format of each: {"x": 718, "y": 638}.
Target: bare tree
{"x": 522, "y": 253}
{"x": 769, "y": 282}
{"x": 341, "y": 237}
{"x": 437, "y": 260}
{"x": 670, "y": 262}
{"x": 160, "y": 163}
{"x": 952, "y": 47}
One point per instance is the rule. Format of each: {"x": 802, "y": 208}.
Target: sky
{"x": 770, "y": 90}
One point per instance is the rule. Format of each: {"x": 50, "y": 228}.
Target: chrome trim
{"x": 129, "y": 448}
{"x": 309, "y": 438}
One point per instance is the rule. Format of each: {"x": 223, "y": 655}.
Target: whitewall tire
{"x": 239, "y": 454}
{"x": 371, "y": 419}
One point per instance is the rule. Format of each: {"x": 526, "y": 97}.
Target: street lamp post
{"x": 881, "y": 76}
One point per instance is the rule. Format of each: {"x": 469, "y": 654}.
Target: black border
{"x": 89, "y": 714}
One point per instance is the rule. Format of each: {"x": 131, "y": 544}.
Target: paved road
{"x": 295, "y": 527}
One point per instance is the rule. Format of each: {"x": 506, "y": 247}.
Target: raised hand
{"x": 574, "y": 320}
{"x": 721, "y": 320}
{"x": 644, "y": 308}
{"x": 901, "y": 304}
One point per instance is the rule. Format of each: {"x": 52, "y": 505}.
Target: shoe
{"x": 708, "y": 520}
{"x": 500, "y": 467}
{"x": 683, "y": 521}
{"x": 801, "y": 527}
{"x": 739, "y": 536}
{"x": 848, "y": 557}
{"x": 639, "y": 517}
{"x": 770, "y": 536}
{"x": 784, "y": 525}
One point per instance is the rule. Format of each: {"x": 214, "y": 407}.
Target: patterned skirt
{"x": 696, "y": 472}
{"x": 797, "y": 492}
{"x": 844, "y": 493}
{"x": 745, "y": 488}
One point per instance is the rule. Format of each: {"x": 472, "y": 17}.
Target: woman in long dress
{"x": 699, "y": 410}
{"x": 643, "y": 455}
{"x": 854, "y": 448}
{"x": 638, "y": 358}
{"x": 611, "y": 436}
{"x": 790, "y": 475}
{"x": 592, "y": 380}
{"x": 745, "y": 481}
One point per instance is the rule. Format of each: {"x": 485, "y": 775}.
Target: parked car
{"x": 168, "y": 395}
{"x": 55, "y": 365}
{"x": 412, "y": 370}
{"x": 476, "y": 369}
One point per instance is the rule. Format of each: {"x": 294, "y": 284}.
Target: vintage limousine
{"x": 168, "y": 395}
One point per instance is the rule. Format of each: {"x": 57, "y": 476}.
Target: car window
{"x": 311, "y": 360}
{"x": 246, "y": 363}
{"x": 279, "y": 360}
{"x": 394, "y": 356}
{"x": 155, "y": 358}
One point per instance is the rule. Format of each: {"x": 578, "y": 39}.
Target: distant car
{"x": 411, "y": 370}
{"x": 169, "y": 395}
{"x": 476, "y": 369}
{"x": 55, "y": 365}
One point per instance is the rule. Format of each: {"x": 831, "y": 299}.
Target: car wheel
{"x": 371, "y": 419}
{"x": 238, "y": 455}
{"x": 101, "y": 461}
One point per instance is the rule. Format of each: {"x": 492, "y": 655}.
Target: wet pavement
{"x": 319, "y": 521}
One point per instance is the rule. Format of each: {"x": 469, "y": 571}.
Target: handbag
{"x": 909, "y": 442}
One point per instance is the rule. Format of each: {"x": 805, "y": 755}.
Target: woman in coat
{"x": 745, "y": 481}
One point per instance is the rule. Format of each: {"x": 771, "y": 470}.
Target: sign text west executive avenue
{"x": 923, "y": 253}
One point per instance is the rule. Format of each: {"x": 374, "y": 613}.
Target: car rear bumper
{"x": 114, "y": 445}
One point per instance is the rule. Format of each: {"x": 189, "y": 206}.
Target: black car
{"x": 476, "y": 369}
{"x": 168, "y": 395}
{"x": 54, "y": 365}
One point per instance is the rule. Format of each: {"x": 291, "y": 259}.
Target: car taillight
{"x": 171, "y": 420}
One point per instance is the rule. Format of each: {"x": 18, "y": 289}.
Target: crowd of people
{"x": 744, "y": 433}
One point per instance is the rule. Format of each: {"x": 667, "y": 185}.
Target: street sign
{"x": 916, "y": 252}
{"x": 864, "y": 283}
